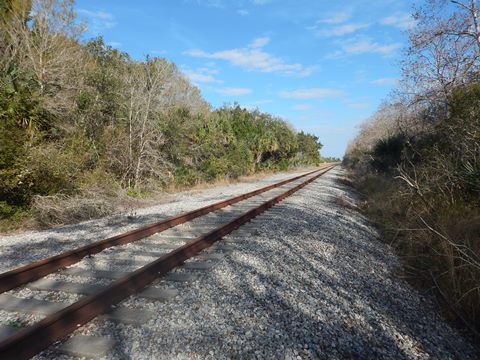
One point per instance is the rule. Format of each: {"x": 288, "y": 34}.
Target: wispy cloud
{"x": 243, "y": 12}
{"x": 340, "y": 30}
{"x": 364, "y": 45}
{"x": 97, "y": 20}
{"x": 96, "y": 14}
{"x": 201, "y": 75}
{"x": 233, "y": 91}
{"x": 385, "y": 81}
{"x": 335, "y": 24}
{"x": 254, "y": 58}
{"x": 367, "y": 46}
{"x": 311, "y": 93}
{"x": 402, "y": 21}
{"x": 259, "y": 42}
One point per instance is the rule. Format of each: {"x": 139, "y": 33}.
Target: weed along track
{"x": 124, "y": 265}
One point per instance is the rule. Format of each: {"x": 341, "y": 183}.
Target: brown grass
{"x": 63, "y": 209}
{"x": 344, "y": 203}
{"x": 438, "y": 242}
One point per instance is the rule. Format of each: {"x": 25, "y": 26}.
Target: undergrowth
{"x": 439, "y": 242}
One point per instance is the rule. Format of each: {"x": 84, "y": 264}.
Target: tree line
{"x": 418, "y": 157}
{"x": 80, "y": 115}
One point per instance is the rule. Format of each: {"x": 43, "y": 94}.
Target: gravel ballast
{"x": 309, "y": 278}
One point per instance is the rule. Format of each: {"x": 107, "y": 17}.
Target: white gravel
{"x": 308, "y": 279}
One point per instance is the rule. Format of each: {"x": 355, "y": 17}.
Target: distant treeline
{"x": 418, "y": 157}
{"x": 77, "y": 116}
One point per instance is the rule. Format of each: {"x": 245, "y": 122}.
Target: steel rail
{"x": 33, "y": 271}
{"x": 32, "y": 340}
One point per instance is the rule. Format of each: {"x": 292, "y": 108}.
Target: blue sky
{"x": 323, "y": 66}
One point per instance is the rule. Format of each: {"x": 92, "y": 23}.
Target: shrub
{"x": 387, "y": 153}
{"x": 185, "y": 176}
{"x": 214, "y": 168}
{"x": 239, "y": 160}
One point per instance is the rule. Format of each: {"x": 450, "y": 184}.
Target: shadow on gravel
{"x": 333, "y": 294}
{"x": 18, "y": 254}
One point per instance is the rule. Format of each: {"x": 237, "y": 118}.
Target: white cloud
{"x": 259, "y": 42}
{"x": 243, "y": 12}
{"x": 341, "y": 29}
{"x": 232, "y": 91}
{"x": 201, "y": 75}
{"x": 197, "y": 77}
{"x": 260, "y": 2}
{"x": 254, "y": 58}
{"x": 364, "y": 45}
{"x": 97, "y": 20}
{"x": 402, "y": 21}
{"x": 96, "y": 14}
{"x": 385, "y": 81}
{"x": 311, "y": 93}
{"x": 208, "y": 69}
{"x": 367, "y": 46}
{"x": 335, "y": 24}
{"x": 303, "y": 107}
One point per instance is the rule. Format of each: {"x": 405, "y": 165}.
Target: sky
{"x": 322, "y": 65}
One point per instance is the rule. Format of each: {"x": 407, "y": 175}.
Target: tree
{"x": 146, "y": 89}
{"x": 47, "y": 50}
{"x": 308, "y": 148}
{"x": 444, "y": 49}
{"x": 99, "y": 100}
{"x": 13, "y": 14}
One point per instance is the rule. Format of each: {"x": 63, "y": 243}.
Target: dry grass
{"x": 345, "y": 180}
{"x": 64, "y": 209}
{"x": 344, "y": 203}
{"x": 439, "y": 243}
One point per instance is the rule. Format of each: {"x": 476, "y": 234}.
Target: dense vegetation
{"x": 80, "y": 121}
{"x": 418, "y": 157}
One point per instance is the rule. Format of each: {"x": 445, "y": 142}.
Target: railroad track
{"x": 149, "y": 253}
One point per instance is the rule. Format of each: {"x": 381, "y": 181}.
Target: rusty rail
{"x": 32, "y": 340}
{"x": 33, "y": 271}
